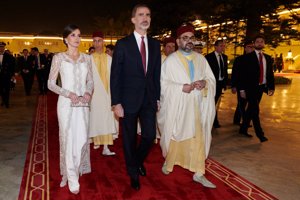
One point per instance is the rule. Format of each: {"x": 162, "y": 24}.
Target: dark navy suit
{"x": 138, "y": 94}
{"x": 7, "y": 70}
{"x": 220, "y": 84}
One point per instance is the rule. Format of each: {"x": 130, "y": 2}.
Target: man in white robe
{"x": 187, "y": 108}
{"x": 103, "y": 125}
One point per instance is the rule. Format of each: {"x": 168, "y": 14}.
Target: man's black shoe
{"x": 245, "y": 134}
{"x": 142, "y": 170}
{"x": 135, "y": 183}
{"x": 217, "y": 125}
{"x": 263, "y": 139}
{"x": 237, "y": 123}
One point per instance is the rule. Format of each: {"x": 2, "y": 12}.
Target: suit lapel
{"x": 256, "y": 59}
{"x": 216, "y": 61}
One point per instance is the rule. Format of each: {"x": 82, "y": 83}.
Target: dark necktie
{"x": 143, "y": 53}
{"x": 221, "y": 66}
{"x": 261, "y": 68}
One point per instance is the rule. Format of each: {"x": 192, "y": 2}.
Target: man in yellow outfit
{"x": 103, "y": 125}
{"x": 187, "y": 108}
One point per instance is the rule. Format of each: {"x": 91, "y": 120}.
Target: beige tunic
{"x": 102, "y": 120}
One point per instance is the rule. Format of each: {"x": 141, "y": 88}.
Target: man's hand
{"x": 270, "y": 92}
{"x": 200, "y": 84}
{"x": 187, "y": 88}
{"x": 158, "y": 105}
{"x": 243, "y": 94}
{"x": 118, "y": 110}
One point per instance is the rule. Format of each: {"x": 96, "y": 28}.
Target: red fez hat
{"x": 98, "y": 34}
{"x": 169, "y": 40}
{"x": 185, "y": 28}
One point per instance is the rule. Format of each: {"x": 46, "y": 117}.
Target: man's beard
{"x": 258, "y": 48}
{"x": 145, "y": 25}
{"x": 188, "y": 47}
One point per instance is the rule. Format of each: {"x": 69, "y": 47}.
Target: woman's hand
{"x": 85, "y": 98}
{"x": 74, "y": 98}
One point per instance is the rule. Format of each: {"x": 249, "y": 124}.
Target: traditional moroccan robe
{"x": 163, "y": 57}
{"x": 102, "y": 120}
{"x": 185, "y": 119}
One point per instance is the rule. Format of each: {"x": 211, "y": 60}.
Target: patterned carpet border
{"x": 35, "y": 183}
{"x": 236, "y": 182}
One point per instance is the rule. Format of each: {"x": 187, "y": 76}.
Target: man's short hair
{"x": 138, "y": 6}
{"x": 247, "y": 42}
{"x": 110, "y": 46}
{"x": 34, "y": 49}
{"x": 218, "y": 42}
{"x": 259, "y": 36}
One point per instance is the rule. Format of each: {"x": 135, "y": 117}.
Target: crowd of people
{"x": 134, "y": 85}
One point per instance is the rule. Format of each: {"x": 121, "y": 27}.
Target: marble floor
{"x": 273, "y": 165}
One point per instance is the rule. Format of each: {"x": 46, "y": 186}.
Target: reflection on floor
{"x": 273, "y": 165}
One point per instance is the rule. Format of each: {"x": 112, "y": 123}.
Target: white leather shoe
{"x": 164, "y": 169}
{"x": 115, "y": 136}
{"x": 75, "y": 191}
{"x": 63, "y": 182}
{"x": 203, "y": 181}
{"x": 107, "y": 152}
{"x": 96, "y": 146}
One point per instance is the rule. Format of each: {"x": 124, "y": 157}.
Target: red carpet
{"x": 108, "y": 180}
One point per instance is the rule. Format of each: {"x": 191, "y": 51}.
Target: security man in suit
{"x": 257, "y": 77}
{"x": 217, "y": 60}
{"x": 7, "y": 70}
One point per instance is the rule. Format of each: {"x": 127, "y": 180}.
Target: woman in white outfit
{"x": 75, "y": 72}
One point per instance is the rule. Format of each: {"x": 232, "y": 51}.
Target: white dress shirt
{"x": 264, "y": 65}
{"x": 218, "y": 59}
{"x": 139, "y": 40}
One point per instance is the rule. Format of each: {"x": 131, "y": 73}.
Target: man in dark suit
{"x": 7, "y": 70}
{"x": 135, "y": 90}
{"x": 218, "y": 63}
{"x": 25, "y": 65}
{"x": 48, "y": 57}
{"x": 256, "y": 77}
{"x": 235, "y": 75}
{"x": 40, "y": 70}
